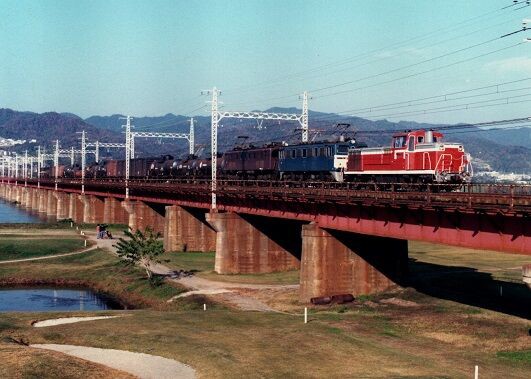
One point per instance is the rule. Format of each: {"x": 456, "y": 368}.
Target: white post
{"x": 305, "y": 315}
{"x": 72, "y": 157}
{"x": 214, "y": 143}
{"x": 476, "y": 372}
{"x": 304, "y": 117}
{"x": 191, "y": 139}
{"x": 204, "y": 307}
{"x": 31, "y": 167}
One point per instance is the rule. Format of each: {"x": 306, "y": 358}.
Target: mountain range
{"x": 506, "y": 150}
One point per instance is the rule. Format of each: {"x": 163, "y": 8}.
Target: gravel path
{"x": 49, "y": 256}
{"x": 69, "y": 320}
{"x": 202, "y": 286}
{"x": 145, "y": 366}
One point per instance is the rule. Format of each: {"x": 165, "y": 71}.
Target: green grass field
{"x": 24, "y": 247}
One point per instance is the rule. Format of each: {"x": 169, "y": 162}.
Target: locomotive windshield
{"x": 342, "y": 149}
{"x": 399, "y": 141}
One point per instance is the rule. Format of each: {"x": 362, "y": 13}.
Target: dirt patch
{"x": 138, "y": 364}
{"x": 69, "y": 320}
{"x": 24, "y": 362}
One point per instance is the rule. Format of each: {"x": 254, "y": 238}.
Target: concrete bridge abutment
{"x": 252, "y": 245}
{"x": 142, "y": 215}
{"x": 51, "y": 204}
{"x": 62, "y": 204}
{"x": 113, "y": 212}
{"x": 76, "y": 208}
{"x": 338, "y": 263}
{"x": 186, "y": 229}
{"x": 92, "y": 209}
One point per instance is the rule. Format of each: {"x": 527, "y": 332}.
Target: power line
{"x": 456, "y": 107}
{"x": 359, "y": 56}
{"x": 431, "y": 44}
{"x": 420, "y": 73}
{"x": 445, "y": 96}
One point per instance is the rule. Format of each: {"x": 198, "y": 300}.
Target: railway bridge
{"x": 346, "y": 239}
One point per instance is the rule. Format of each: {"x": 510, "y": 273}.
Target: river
{"x": 52, "y": 299}
{"x": 12, "y": 214}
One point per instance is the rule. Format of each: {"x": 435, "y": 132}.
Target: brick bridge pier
{"x": 331, "y": 261}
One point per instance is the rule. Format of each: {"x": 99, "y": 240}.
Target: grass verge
{"x": 25, "y": 247}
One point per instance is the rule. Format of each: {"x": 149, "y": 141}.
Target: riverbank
{"x": 95, "y": 269}
{"x": 403, "y": 334}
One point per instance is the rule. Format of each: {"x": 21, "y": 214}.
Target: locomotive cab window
{"x": 342, "y": 149}
{"x": 420, "y": 139}
{"x": 293, "y": 152}
{"x": 304, "y": 153}
{"x": 399, "y": 142}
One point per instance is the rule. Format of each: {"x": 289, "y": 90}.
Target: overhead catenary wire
{"x": 423, "y": 36}
{"x": 273, "y": 83}
{"x": 445, "y": 97}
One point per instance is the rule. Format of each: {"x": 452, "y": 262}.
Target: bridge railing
{"x": 491, "y": 196}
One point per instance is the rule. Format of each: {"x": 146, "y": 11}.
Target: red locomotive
{"x": 418, "y": 156}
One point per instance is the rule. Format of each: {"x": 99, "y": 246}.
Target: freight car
{"x": 251, "y": 163}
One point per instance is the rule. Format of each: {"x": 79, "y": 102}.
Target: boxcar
{"x": 251, "y": 163}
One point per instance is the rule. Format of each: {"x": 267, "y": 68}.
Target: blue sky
{"x": 154, "y": 57}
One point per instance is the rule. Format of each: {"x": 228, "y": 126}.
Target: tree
{"x": 140, "y": 248}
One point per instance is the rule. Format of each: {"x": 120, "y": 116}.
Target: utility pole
{"x": 16, "y": 169}
{"x": 72, "y": 157}
{"x": 39, "y": 166}
{"x": 215, "y": 117}
{"x": 25, "y": 170}
{"x": 83, "y": 157}
{"x": 192, "y": 137}
{"x": 127, "y": 152}
{"x": 132, "y": 147}
{"x": 56, "y": 162}
{"x": 31, "y": 167}
{"x": 304, "y": 118}
{"x": 97, "y": 151}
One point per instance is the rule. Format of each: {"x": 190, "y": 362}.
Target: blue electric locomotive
{"x": 314, "y": 161}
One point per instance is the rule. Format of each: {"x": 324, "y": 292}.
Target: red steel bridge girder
{"x": 457, "y": 222}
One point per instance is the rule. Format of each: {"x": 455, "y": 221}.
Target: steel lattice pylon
{"x": 217, "y": 116}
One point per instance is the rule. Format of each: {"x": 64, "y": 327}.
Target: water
{"x": 11, "y": 214}
{"x": 52, "y": 299}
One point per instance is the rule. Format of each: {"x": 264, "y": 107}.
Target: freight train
{"x": 419, "y": 156}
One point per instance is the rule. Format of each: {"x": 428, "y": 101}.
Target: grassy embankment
{"x": 14, "y": 246}
{"x": 96, "y": 269}
{"x": 415, "y": 336}
{"x": 432, "y": 338}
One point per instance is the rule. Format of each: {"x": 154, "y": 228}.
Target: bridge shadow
{"x": 469, "y": 286}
